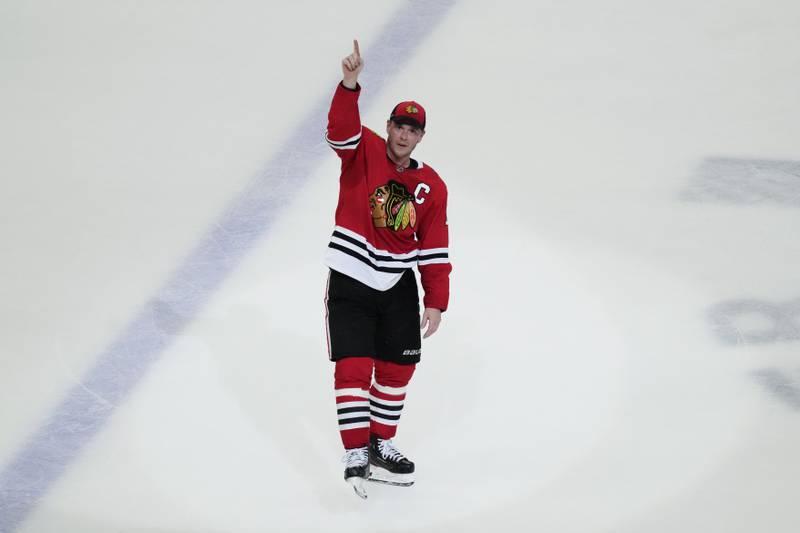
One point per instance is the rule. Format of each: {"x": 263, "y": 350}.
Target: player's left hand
{"x": 432, "y": 318}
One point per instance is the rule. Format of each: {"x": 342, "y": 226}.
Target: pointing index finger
{"x": 356, "y": 51}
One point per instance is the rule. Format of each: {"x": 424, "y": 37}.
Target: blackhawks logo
{"x": 392, "y": 207}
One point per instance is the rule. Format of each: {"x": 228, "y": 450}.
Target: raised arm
{"x": 344, "y": 121}
{"x": 352, "y": 66}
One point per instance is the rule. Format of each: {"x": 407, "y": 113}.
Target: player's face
{"x": 402, "y": 139}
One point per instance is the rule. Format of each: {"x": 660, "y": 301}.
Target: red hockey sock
{"x": 387, "y": 395}
{"x": 352, "y": 379}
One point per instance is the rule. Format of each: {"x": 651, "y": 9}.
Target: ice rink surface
{"x": 622, "y": 352}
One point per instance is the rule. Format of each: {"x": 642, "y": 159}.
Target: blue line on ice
{"x": 89, "y": 404}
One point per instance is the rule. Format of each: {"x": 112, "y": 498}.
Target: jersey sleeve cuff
{"x": 356, "y": 90}
{"x": 435, "y": 303}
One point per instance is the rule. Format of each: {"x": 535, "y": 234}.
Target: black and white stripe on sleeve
{"x": 347, "y": 144}
{"x": 433, "y": 256}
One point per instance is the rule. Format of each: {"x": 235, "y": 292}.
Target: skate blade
{"x": 358, "y": 486}
{"x": 381, "y": 475}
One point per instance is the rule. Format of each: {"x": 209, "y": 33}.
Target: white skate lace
{"x": 356, "y": 457}
{"x": 388, "y": 451}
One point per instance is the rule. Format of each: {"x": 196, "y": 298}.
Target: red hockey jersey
{"x": 388, "y": 219}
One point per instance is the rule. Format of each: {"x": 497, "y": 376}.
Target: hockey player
{"x": 391, "y": 216}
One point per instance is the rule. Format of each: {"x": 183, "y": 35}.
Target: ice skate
{"x": 389, "y": 466}
{"x": 356, "y": 469}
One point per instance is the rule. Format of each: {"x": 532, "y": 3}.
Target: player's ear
{"x": 388, "y": 125}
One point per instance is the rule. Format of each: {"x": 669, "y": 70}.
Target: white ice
{"x": 622, "y": 351}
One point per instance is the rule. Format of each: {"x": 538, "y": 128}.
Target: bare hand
{"x": 352, "y": 66}
{"x": 432, "y": 318}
